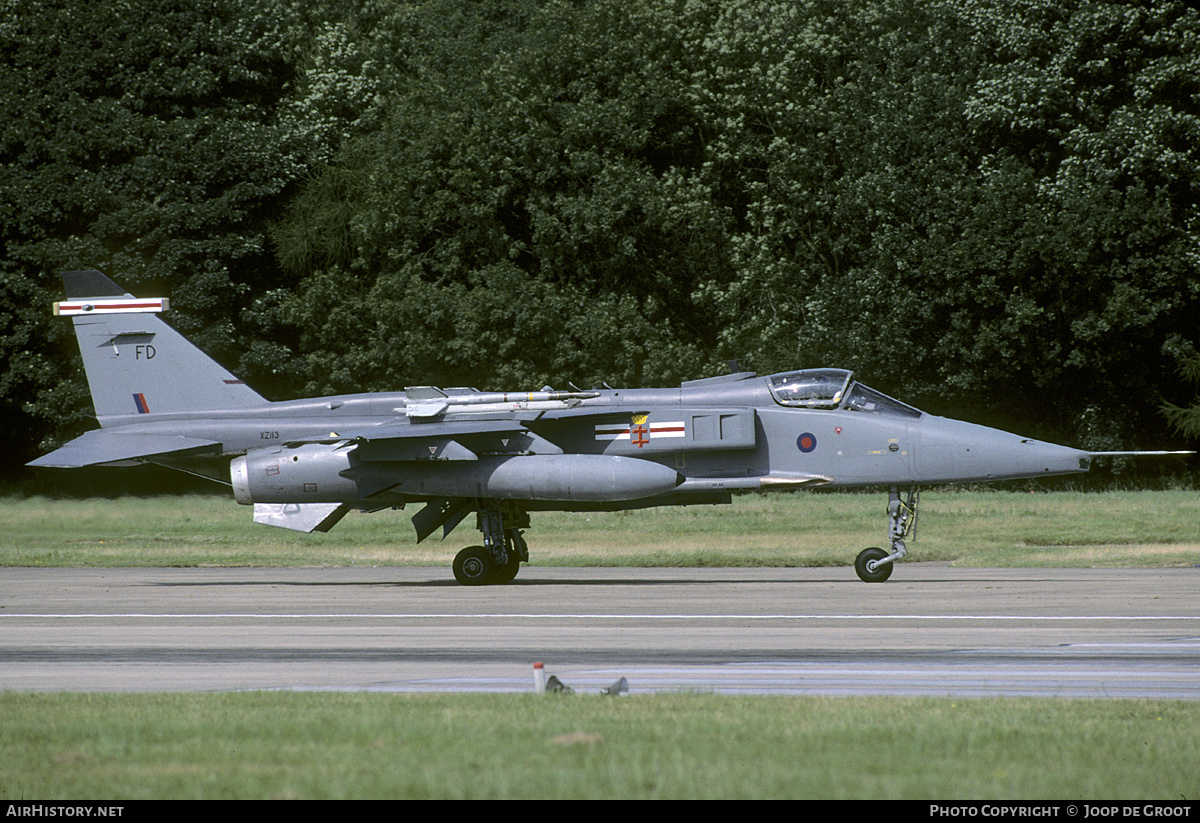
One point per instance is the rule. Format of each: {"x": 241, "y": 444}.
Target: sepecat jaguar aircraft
{"x": 303, "y": 464}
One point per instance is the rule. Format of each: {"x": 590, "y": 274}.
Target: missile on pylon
{"x": 424, "y": 402}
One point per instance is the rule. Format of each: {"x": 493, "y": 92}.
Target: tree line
{"x": 986, "y": 208}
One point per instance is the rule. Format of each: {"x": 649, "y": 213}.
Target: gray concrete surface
{"x": 931, "y": 630}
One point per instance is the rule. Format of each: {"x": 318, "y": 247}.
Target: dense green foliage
{"x": 154, "y": 140}
{"x": 987, "y": 208}
{"x": 1187, "y": 419}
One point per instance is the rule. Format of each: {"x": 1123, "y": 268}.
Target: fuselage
{"x": 740, "y": 432}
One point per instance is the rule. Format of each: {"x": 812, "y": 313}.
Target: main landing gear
{"x": 874, "y": 565}
{"x": 499, "y": 558}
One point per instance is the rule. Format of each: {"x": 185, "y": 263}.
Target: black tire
{"x": 473, "y": 566}
{"x": 506, "y": 574}
{"x": 866, "y": 568}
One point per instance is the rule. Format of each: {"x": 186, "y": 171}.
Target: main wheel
{"x": 473, "y": 566}
{"x": 507, "y": 572}
{"x": 868, "y": 567}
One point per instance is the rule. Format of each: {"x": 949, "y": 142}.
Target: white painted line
{"x": 548, "y": 616}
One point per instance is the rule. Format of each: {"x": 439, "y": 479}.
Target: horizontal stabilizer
{"x": 300, "y": 517}
{"x": 101, "y": 448}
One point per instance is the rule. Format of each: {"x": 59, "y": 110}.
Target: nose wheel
{"x": 874, "y": 565}
{"x": 869, "y": 568}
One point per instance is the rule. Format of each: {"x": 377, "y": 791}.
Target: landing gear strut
{"x": 874, "y": 565}
{"x": 498, "y": 559}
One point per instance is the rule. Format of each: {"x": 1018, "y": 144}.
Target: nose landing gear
{"x": 874, "y": 565}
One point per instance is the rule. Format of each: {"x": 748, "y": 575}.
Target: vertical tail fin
{"x": 136, "y": 363}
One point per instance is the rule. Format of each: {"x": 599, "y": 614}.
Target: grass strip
{"x": 355, "y": 745}
{"x": 970, "y": 528}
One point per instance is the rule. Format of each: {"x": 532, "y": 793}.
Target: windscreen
{"x": 865, "y": 399}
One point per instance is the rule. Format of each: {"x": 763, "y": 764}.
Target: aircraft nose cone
{"x": 951, "y": 451}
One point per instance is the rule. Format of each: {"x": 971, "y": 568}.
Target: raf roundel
{"x": 806, "y": 442}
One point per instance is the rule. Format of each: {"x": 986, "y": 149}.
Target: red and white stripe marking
{"x": 111, "y": 305}
{"x": 640, "y": 434}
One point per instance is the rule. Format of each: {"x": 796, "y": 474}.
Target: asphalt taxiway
{"x": 931, "y": 630}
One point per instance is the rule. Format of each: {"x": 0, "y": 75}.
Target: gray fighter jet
{"x": 304, "y": 464}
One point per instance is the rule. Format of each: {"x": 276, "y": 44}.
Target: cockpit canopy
{"x": 833, "y": 389}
